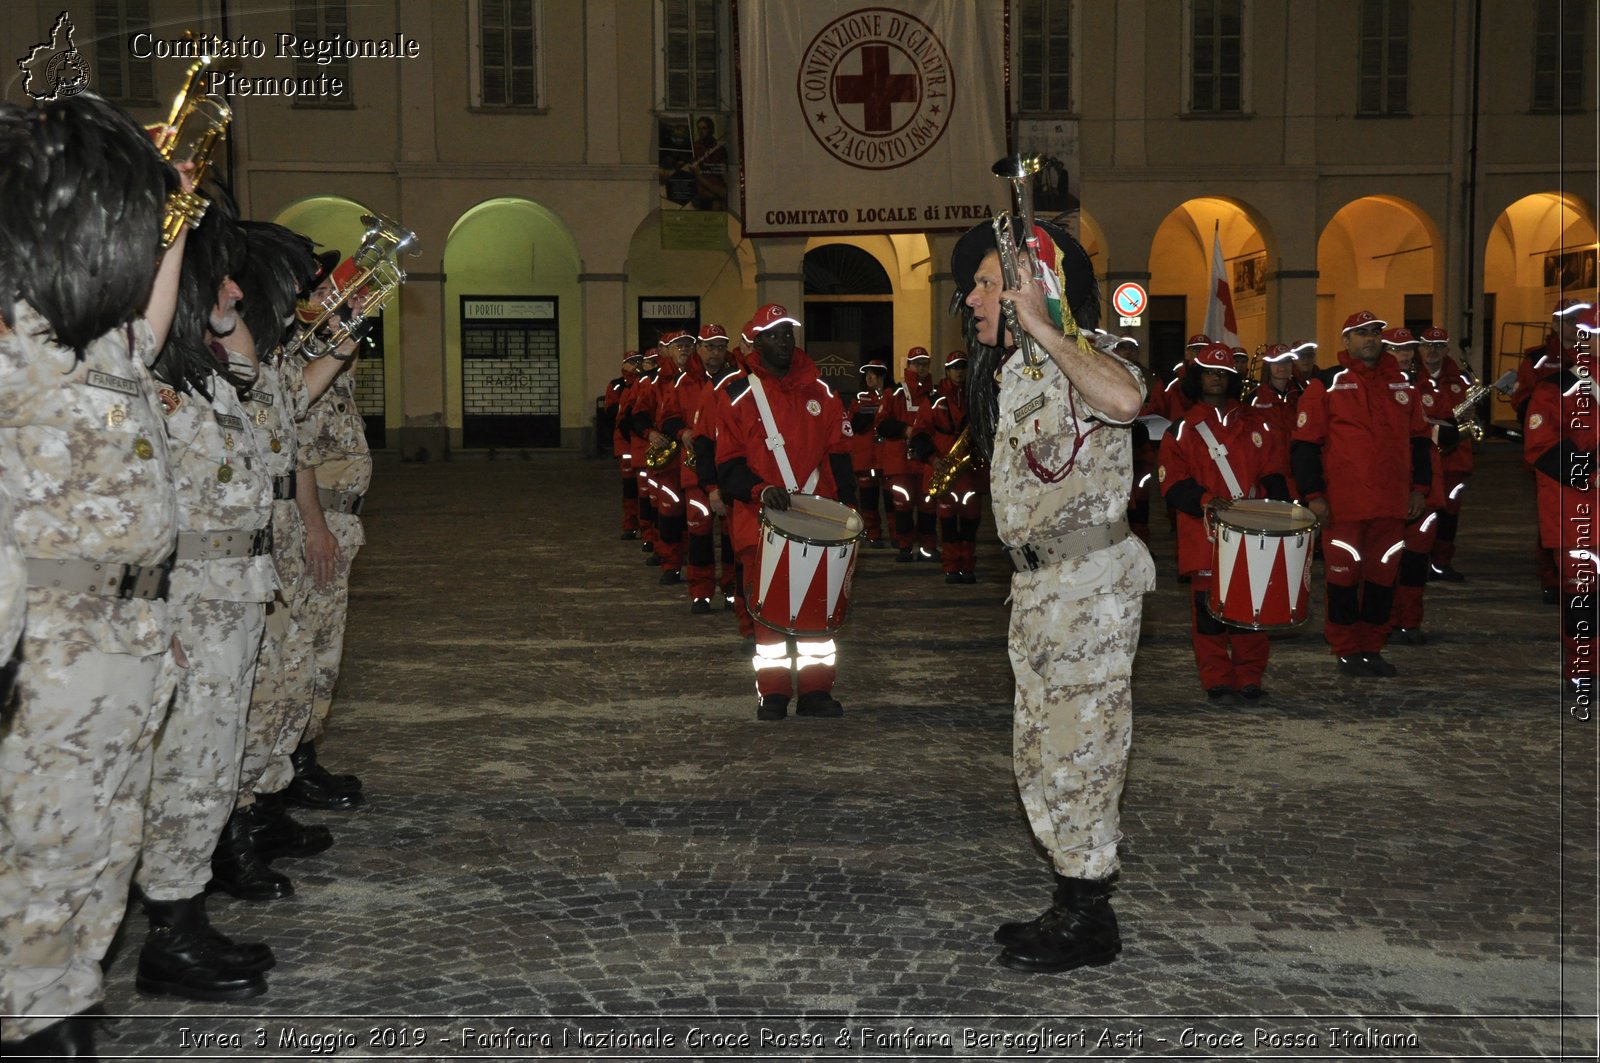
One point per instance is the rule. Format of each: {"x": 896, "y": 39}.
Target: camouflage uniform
{"x": 280, "y": 703}
{"x": 13, "y": 583}
{"x": 84, "y": 458}
{"x": 333, "y": 440}
{"x": 1074, "y": 624}
{"x": 218, "y": 605}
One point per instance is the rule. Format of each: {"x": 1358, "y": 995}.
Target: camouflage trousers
{"x": 280, "y": 702}
{"x": 1072, "y": 656}
{"x": 74, "y": 770}
{"x": 196, "y": 772}
{"x": 323, "y": 610}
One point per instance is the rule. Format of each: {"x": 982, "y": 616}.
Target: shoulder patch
{"x": 1402, "y": 397}
{"x": 813, "y": 407}
{"x": 1427, "y": 400}
{"x": 1161, "y": 474}
{"x": 1300, "y": 422}
{"x": 1255, "y": 437}
{"x": 1535, "y": 421}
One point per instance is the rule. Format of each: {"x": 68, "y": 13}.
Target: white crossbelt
{"x": 775, "y": 440}
{"x": 1219, "y": 454}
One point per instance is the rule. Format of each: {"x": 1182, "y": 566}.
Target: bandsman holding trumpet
{"x": 950, "y": 483}
{"x": 666, "y": 433}
{"x": 1412, "y": 580}
{"x": 1050, "y": 414}
{"x": 88, "y": 299}
{"x": 720, "y": 371}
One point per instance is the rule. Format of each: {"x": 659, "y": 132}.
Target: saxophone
{"x": 953, "y": 464}
{"x": 1476, "y": 390}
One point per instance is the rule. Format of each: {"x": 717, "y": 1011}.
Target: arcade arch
{"x": 1180, "y": 275}
{"x": 1378, "y": 253}
{"x": 513, "y": 327}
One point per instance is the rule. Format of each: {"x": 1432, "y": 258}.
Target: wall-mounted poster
{"x": 1568, "y": 271}
{"x": 1055, "y": 187}
{"x": 692, "y": 161}
{"x": 1250, "y": 284}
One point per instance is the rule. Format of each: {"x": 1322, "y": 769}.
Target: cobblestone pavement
{"x": 578, "y": 831}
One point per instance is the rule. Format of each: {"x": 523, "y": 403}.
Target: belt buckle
{"x": 261, "y": 541}
{"x": 355, "y": 507}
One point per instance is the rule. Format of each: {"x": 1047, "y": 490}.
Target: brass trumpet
{"x": 1019, "y": 170}
{"x": 1252, "y": 374}
{"x": 196, "y": 125}
{"x": 659, "y": 454}
{"x": 362, "y": 285}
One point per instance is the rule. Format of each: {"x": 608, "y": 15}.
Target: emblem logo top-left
{"x": 55, "y": 68}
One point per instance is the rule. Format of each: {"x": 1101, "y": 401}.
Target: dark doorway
{"x": 1168, "y": 332}
{"x": 849, "y": 313}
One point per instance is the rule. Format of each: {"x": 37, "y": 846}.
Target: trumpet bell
{"x": 361, "y": 286}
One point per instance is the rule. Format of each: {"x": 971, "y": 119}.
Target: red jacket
{"x": 713, "y": 400}
{"x": 1190, "y": 477}
{"x": 900, "y": 408}
{"x": 813, "y": 427}
{"x": 1560, "y": 440}
{"x": 863, "y": 420}
{"x": 1361, "y": 440}
{"x": 1537, "y": 363}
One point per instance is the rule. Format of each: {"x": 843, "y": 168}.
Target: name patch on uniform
{"x": 1029, "y": 408}
{"x": 97, "y": 379}
{"x": 227, "y": 420}
{"x": 263, "y": 397}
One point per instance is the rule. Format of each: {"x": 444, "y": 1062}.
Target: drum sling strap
{"x": 1219, "y": 454}
{"x": 775, "y": 441}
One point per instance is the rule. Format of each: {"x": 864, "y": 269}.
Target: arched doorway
{"x": 685, "y": 287}
{"x": 333, "y": 222}
{"x": 849, "y": 316}
{"x": 1180, "y": 276}
{"x": 513, "y": 333}
{"x": 1378, "y": 253}
{"x": 1539, "y": 250}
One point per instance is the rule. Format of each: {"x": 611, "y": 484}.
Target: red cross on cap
{"x": 768, "y": 316}
{"x": 877, "y": 364}
{"x": 1199, "y": 339}
{"x": 955, "y": 358}
{"x": 1363, "y": 317}
{"x": 713, "y": 332}
{"x": 1277, "y": 352}
{"x": 1216, "y": 356}
{"x": 919, "y": 354}
{"x": 1435, "y": 334}
{"x": 668, "y": 336}
{"x": 1398, "y": 337}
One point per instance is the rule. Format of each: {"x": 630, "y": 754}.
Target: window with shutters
{"x": 1216, "y": 56}
{"x": 507, "y": 50}
{"x": 691, "y": 55}
{"x": 1558, "y": 59}
{"x": 117, "y": 75}
{"x": 318, "y": 20}
{"x": 1385, "y": 56}
{"x": 1043, "y": 32}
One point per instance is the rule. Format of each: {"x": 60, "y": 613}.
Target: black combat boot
{"x": 180, "y": 959}
{"x": 1009, "y": 934}
{"x": 305, "y": 762}
{"x": 1079, "y": 931}
{"x": 238, "y": 869}
{"x": 274, "y": 833}
{"x": 71, "y": 1038}
{"x": 245, "y": 957}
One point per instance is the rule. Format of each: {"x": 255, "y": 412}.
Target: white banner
{"x": 857, "y": 119}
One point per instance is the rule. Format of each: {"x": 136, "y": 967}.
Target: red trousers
{"x": 1226, "y": 656}
{"x": 1421, "y": 537}
{"x": 810, "y": 661}
{"x": 1361, "y": 560}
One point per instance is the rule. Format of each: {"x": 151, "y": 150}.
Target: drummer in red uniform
{"x": 782, "y": 432}
{"x": 1218, "y": 450}
{"x": 1362, "y": 458}
{"x": 1563, "y": 434}
{"x": 863, "y": 411}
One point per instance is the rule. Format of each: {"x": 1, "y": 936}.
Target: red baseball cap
{"x": 1399, "y": 337}
{"x": 876, "y": 363}
{"x": 1362, "y": 318}
{"x": 918, "y": 354}
{"x": 1216, "y": 356}
{"x": 1570, "y": 306}
{"x": 1435, "y": 334}
{"x": 767, "y": 317}
{"x": 672, "y": 335}
{"x": 1588, "y": 319}
{"x": 1199, "y": 339}
{"x": 1307, "y": 345}
{"x": 712, "y": 332}
{"x": 955, "y": 358}
{"x": 632, "y": 356}
{"x": 1277, "y": 352}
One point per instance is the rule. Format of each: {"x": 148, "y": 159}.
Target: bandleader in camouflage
{"x": 1059, "y": 449}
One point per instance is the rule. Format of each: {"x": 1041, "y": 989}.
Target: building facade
{"x": 1433, "y": 161}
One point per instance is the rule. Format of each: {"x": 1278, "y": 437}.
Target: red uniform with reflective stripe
{"x": 1364, "y": 420}
{"x": 1243, "y": 431}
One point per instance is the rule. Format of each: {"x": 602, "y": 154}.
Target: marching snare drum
{"x": 807, "y": 558}
{"x": 1260, "y": 563}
